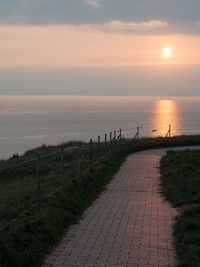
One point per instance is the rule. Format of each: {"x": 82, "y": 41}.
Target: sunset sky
{"x": 98, "y": 47}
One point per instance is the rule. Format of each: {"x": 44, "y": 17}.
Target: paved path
{"x": 128, "y": 225}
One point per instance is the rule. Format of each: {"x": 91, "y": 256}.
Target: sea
{"x": 30, "y": 121}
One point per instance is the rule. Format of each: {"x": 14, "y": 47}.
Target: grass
{"x": 27, "y": 241}
{"x": 180, "y": 180}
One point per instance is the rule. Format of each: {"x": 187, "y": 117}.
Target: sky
{"x": 99, "y": 47}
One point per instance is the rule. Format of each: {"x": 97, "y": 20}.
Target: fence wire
{"x": 45, "y": 197}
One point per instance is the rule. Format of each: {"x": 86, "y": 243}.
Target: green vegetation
{"x": 180, "y": 180}
{"x": 26, "y": 241}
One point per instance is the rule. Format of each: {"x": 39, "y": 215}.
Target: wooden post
{"x": 79, "y": 170}
{"x": 120, "y": 134}
{"x": 38, "y": 183}
{"x": 170, "y": 130}
{"x": 114, "y": 135}
{"x": 105, "y": 148}
{"x": 91, "y": 157}
{"x": 105, "y": 143}
{"x": 111, "y": 143}
{"x": 99, "y": 151}
{"x": 61, "y": 169}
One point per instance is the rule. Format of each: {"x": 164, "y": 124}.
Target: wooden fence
{"x": 105, "y": 149}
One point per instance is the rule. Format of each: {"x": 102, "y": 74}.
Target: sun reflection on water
{"x": 166, "y": 114}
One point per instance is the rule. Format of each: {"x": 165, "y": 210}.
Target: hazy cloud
{"x": 181, "y": 15}
{"x": 92, "y": 3}
{"x": 148, "y": 80}
{"x": 120, "y": 26}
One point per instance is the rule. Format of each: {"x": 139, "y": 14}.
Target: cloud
{"x": 92, "y": 3}
{"x": 120, "y": 26}
{"x": 181, "y": 15}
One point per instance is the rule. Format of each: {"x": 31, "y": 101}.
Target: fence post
{"x": 170, "y": 130}
{"x": 38, "y": 183}
{"x": 61, "y": 169}
{"x": 114, "y": 135}
{"x": 105, "y": 149}
{"x": 111, "y": 143}
{"x": 99, "y": 151}
{"x": 79, "y": 170}
{"x": 91, "y": 157}
{"x": 120, "y": 134}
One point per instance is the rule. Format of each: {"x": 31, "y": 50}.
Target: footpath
{"x": 129, "y": 224}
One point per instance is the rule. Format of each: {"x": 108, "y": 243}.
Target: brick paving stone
{"x": 129, "y": 224}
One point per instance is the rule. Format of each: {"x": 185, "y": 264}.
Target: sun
{"x": 167, "y": 52}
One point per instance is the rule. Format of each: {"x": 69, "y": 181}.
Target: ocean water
{"x": 29, "y": 121}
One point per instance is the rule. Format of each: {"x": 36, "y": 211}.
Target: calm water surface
{"x": 29, "y": 121}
